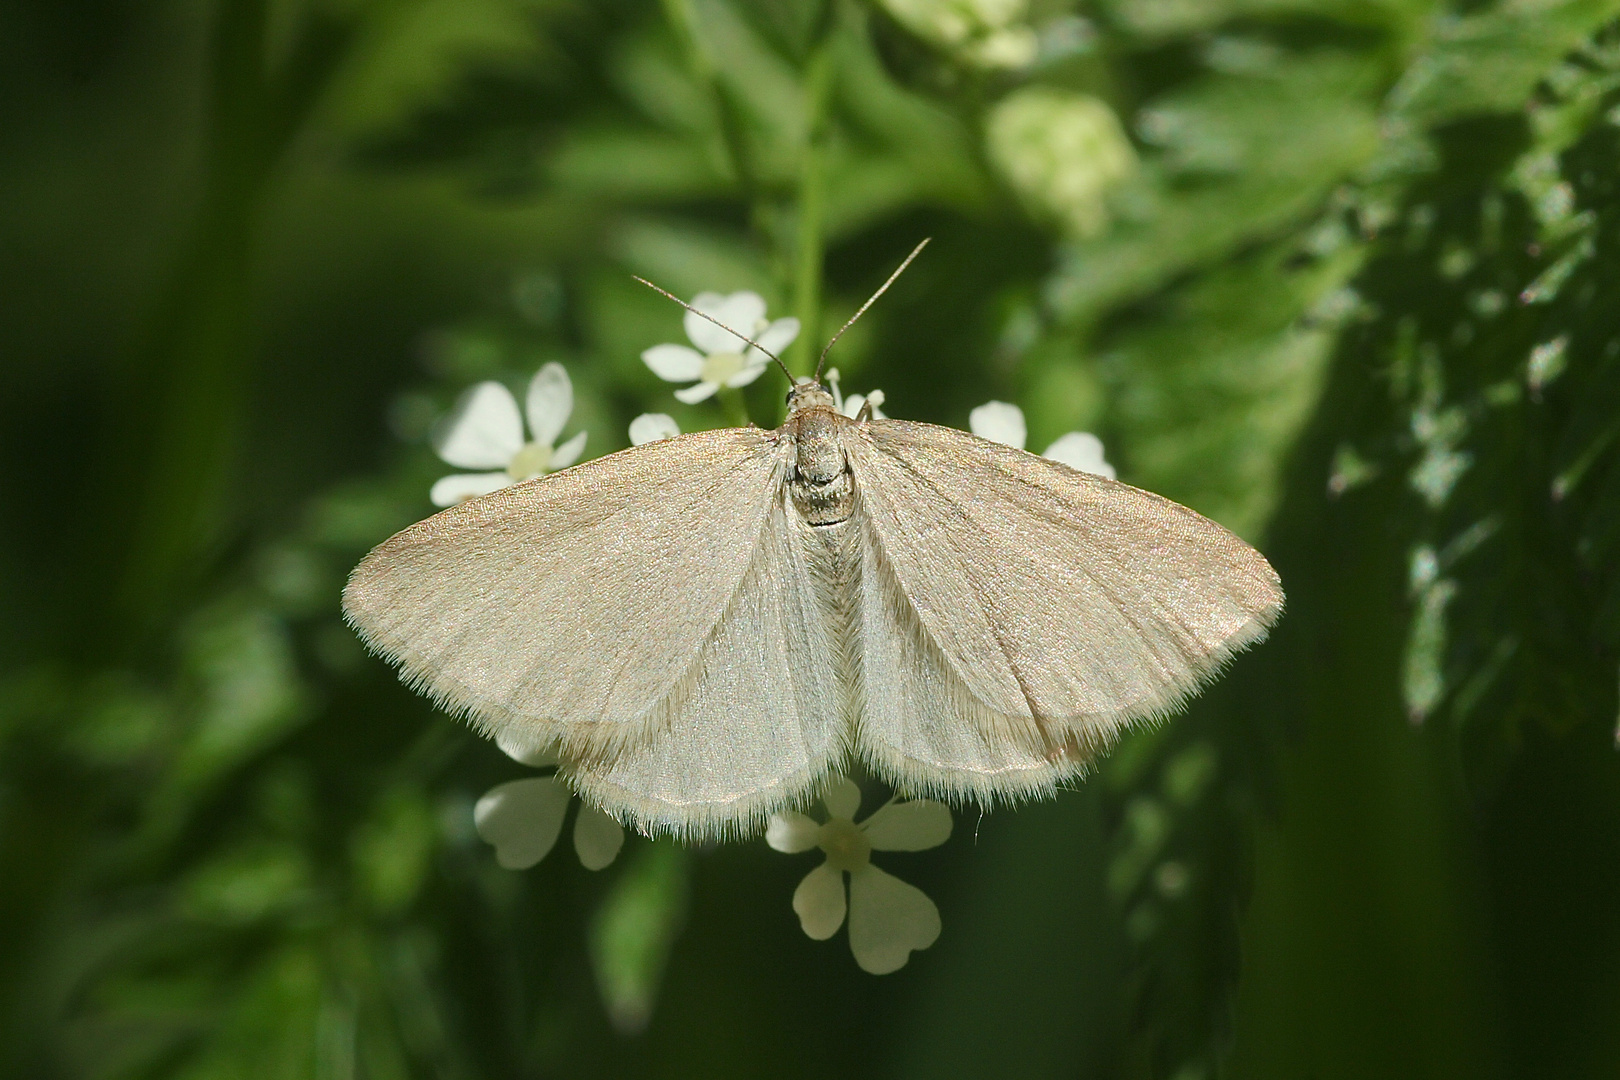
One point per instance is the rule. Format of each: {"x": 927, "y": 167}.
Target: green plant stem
{"x": 811, "y": 241}
{"x": 732, "y": 404}
{"x": 190, "y": 374}
{"x": 186, "y": 389}
{"x": 683, "y": 21}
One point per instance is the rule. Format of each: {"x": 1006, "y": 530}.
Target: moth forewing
{"x": 709, "y": 626}
{"x": 762, "y": 718}
{"x": 923, "y": 729}
{"x": 1066, "y": 606}
{"x": 572, "y": 609}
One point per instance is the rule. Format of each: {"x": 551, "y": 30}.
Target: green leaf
{"x": 1490, "y": 62}
{"x": 634, "y": 929}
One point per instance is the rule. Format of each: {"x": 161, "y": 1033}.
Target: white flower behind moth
{"x": 851, "y": 406}
{"x": 650, "y": 427}
{"x": 522, "y": 819}
{"x": 888, "y": 919}
{"x": 1004, "y": 423}
{"x": 485, "y": 431}
{"x": 720, "y": 358}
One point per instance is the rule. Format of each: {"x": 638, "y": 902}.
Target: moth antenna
{"x": 870, "y": 301}
{"x": 723, "y": 326}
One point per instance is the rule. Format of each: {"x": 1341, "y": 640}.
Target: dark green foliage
{"x": 1356, "y": 301}
{"x": 1451, "y": 647}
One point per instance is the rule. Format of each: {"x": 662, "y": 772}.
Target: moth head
{"x": 808, "y": 394}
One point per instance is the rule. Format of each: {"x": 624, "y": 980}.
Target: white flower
{"x": 1080, "y": 450}
{"x": 1004, "y": 423}
{"x": 721, "y": 361}
{"x": 1014, "y": 47}
{"x": 650, "y": 427}
{"x": 486, "y": 432}
{"x": 983, "y": 32}
{"x": 522, "y": 818}
{"x": 851, "y": 406}
{"x": 1061, "y": 152}
{"x": 888, "y": 919}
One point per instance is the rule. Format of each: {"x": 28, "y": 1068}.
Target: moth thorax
{"x": 821, "y": 484}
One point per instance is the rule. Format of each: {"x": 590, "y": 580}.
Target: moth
{"x": 707, "y": 627}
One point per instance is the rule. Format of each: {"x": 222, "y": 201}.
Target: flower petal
{"x": 741, "y": 311}
{"x": 650, "y": 427}
{"x": 842, "y": 798}
{"x": 483, "y": 431}
{"x": 459, "y": 487}
{"x": 792, "y": 832}
{"x": 888, "y": 920}
{"x": 533, "y": 754}
{"x": 830, "y": 380}
{"x": 999, "y": 422}
{"x": 777, "y": 336}
{"x": 909, "y": 826}
{"x": 1081, "y": 450}
{"x": 750, "y": 371}
{"x": 597, "y": 838}
{"x": 853, "y": 403}
{"x": 674, "y": 363}
{"x": 819, "y": 902}
{"x": 568, "y": 453}
{"x": 697, "y": 392}
{"x": 744, "y": 310}
{"x": 709, "y": 302}
{"x": 522, "y": 819}
{"x": 551, "y": 400}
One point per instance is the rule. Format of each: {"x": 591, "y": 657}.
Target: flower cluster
{"x": 1004, "y": 423}
{"x": 982, "y": 33}
{"x": 1061, "y": 152}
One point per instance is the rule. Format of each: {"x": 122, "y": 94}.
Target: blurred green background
{"x": 1342, "y": 274}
